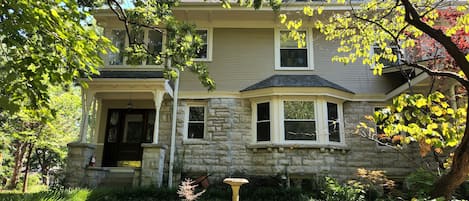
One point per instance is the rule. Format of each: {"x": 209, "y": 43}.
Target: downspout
{"x": 173, "y": 128}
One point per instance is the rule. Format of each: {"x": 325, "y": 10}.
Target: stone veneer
{"x": 79, "y": 156}
{"x": 227, "y": 149}
{"x": 152, "y": 164}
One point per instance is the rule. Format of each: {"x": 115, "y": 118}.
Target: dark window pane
{"x": 196, "y": 113}
{"x": 155, "y": 44}
{"x": 293, "y": 58}
{"x": 334, "y": 131}
{"x": 202, "y": 52}
{"x": 263, "y": 111}
{"x": 386, "y": 62}
{"x": 263, "y": 131}
{"x": 195, "y": 130}
{"x": 300, "y": 130}
{"x": 333, "y": 122}
{"x": 118, "y": 40}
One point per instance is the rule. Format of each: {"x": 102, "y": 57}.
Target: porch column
{"x": 158, "y": 99}
{"x": 86, "y": 100}
{"x": 97, "y": 119}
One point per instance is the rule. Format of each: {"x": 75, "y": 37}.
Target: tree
{"x": 406, "y": 25}
{"x": 183, "y": 43}
{"x": 44, "y": 43}
{"x": 39, "y": 137}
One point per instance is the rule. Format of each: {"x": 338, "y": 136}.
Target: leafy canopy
{"x": 44, "y": 43}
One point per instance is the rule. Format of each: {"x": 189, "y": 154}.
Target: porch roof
{"x": 295, "y": 81}
{"x": 129, "y": 74}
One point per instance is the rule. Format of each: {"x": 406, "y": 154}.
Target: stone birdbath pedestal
{"x": 235, "y": 184}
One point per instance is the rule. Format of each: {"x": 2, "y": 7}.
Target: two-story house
{"x": 278, "y": 110}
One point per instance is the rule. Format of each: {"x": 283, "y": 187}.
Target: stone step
{"x": 118, "y": 179}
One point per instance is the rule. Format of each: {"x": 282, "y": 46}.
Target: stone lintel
{"x": 150, "y": 145}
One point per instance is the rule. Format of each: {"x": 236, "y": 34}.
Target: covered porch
{"x": 119, "y": 131}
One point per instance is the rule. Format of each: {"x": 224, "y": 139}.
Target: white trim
{"x": 209, "y": 44}
{"x": 309, "y": 50}
{"x": 277, "y": 121}
{"x": 124, "y": 65}
{"x": 186, "y": 122}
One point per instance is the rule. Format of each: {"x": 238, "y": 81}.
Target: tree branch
{"x": 413, "y": 18}
{"x": 430, "y": 72}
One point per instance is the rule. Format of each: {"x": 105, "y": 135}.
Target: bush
{"x": 334, "y": 191}
{"x": 419, "y": 183}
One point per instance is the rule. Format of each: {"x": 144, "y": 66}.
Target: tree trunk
{"x": 19, "y": 155}
{"x": 446, "y": 184}
{"x": 28, "y": 160}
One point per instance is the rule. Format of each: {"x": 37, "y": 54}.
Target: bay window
{"x": 314, "y": 120}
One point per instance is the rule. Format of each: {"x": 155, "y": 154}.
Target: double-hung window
{"x": 205, "y": 52}
{"x": 386, "y": 61}
{"x": 151, "y": 39}
{"x": 195, "y": 122}
{"x": 291, "y": 54}
{"x": 299, "y": 120}
{"x": 263, "y": 122}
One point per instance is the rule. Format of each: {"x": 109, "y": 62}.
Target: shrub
{"x": 419, "y": 183}
{"x": 334, "y": 191}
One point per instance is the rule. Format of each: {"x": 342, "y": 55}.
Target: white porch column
{"x": 86, "y": 100}
{"x": 158, "y": 99}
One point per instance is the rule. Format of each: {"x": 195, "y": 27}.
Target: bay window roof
{"x": 295, "y": 81}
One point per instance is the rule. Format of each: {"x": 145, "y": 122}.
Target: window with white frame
{"x": 313, "y": 120}
{"x": 289, "y": 54}
{"x": 263, "y": 122}
{"x": 299, "y": 120}
{"x": 386, "y": 62}
{"x": 195, "y": 122}
{"x": 152, "y": 39}
{"x": 205, "y": 52}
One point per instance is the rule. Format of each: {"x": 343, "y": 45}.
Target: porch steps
{"x": 118, "y": 178}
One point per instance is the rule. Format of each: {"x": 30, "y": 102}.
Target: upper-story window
{"x": 153, "y": 41}
{"x": 195, "y": 122}
{"x": 290, "y": 120}
{"x": 289, "y": 55}
{"x": 205, "y": 52}
{"x": 386, "y": 62}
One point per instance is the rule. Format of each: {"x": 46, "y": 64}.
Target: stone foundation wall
{"x": 226, "y": 151}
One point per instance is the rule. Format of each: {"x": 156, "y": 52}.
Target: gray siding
{"x": 242, "y": 57}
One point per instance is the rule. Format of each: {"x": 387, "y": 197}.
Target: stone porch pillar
{"x": 79, "y": 155}
{"x": 152, "y": 164}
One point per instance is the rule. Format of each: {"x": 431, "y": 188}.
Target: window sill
{"x": 195, "y": 142}
{"x": 282, "y": 146}
{"x": 309, "y": 68}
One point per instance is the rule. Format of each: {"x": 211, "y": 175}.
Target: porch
{"x": 119, "y": 131}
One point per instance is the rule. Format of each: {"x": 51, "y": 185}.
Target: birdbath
{"x": 235, "y": 184}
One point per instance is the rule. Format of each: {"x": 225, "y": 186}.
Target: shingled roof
{"x": 295, "y": 81}
{"x": 129, "y": 74}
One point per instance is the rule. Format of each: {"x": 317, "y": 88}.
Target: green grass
{"x": 214, "y": 193}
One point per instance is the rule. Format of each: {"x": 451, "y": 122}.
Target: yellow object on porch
{"x": 136, "y": 164}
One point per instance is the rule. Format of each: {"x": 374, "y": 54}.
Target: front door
{"x": 126, "y": 130}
